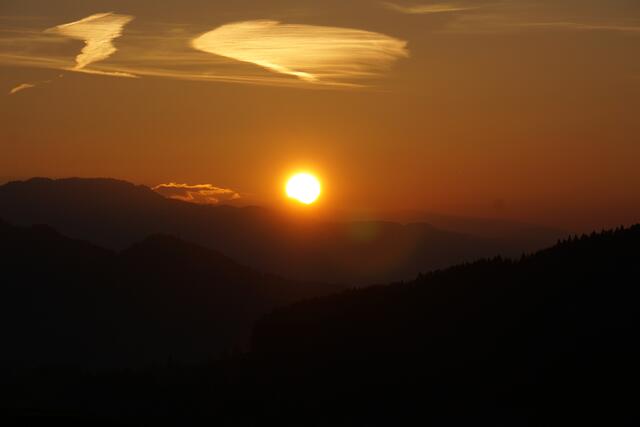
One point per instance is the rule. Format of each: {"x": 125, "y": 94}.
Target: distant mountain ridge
{"x": 538, "y": 236}
{"x": 115, "y": 214}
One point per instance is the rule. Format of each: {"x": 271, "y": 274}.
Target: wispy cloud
{"x": 98, "y": 32}
{"x": 578, "y": 26}
{"x": 424, "y": 9}
{"x": 24, "y": 86}
{"x": 206, "y": 194}
{"x": 21, "y": 87}
{"x": 311, "y": 53}
{"x": 507, "y": 16}
{"x": 515, "y": 22}
{"x": 503, "y": 16}
{"x": 254, "y": 52}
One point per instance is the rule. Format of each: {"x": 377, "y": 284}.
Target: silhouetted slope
{"x": 116, "y": 214}
{"x": 52, "y": 290}
{"x": 69, "y": 302}
{"x": 554, "y": 330}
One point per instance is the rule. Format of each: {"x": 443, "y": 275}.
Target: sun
{"x": 304, "y": 188}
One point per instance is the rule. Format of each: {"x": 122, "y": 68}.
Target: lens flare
{"x": 304, "y": 188}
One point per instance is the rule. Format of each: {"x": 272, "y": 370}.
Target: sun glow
{"x": 304, "y": 188}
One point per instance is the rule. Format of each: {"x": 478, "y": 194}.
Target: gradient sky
{"x": 522, "y": 109}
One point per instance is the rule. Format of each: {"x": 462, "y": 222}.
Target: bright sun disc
{"x": 303, "y": 187}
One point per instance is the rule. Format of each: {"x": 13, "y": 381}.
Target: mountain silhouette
{"x": 549, "y": 338}
{"x": 70, "y": 302}
{"x": 115, "y": 214}
{"x": 553, "y": 331}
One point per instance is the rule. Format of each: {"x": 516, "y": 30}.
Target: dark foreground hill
{"x": 115, "y": 214}
{"x": 551, "y": 339}
{"x": 554, "y": 331}
{"x": 69, "y": 302}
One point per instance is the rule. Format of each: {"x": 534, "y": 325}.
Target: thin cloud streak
{"x": 21, "y": 87}
{"x": 496, "y": 23}
{"x": 577, "y": 26}
{"x": 24, "y": 86}
{"x": 138, "y": 70}
{"x": 104, "y": 73}
{"x": 98, "y": 32}
{"x": 205, "y": 194}
{"x": 501, "y": 16}
{"x": 311, "y": 53}
{"x": 424, "y": 9}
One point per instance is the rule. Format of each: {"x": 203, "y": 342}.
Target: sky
{"x": 518, "y": 109}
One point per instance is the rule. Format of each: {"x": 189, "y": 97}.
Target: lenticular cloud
{"x": 311, "y": 53}
{"x": 98, "y": 32}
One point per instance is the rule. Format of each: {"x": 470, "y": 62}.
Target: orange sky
{"x": 519, "y": 109}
